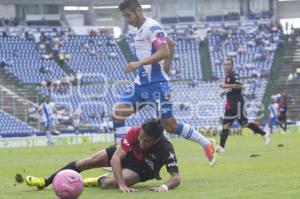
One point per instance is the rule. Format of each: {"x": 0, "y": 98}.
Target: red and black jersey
{"x": 233, "y": 96}
{"x": 162, "y": 153}
{"x": 282, "y": 107}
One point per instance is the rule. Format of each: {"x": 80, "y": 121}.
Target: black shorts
{"x": 131, "y": 163}
{"x": 236, "y": 112}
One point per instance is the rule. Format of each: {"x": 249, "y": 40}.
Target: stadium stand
{"x": 100, "y": 52}
{"x": 95, "y": 54}
{"x": 201, "y": 106}
{"x": 44, "y": 23}
{"x": 13, "y": 21}
{"x": 11, "y": 126}
{"x": 22, "y": 58}
{"x": 252, "y": 48}
{"x": 172, "y": 20}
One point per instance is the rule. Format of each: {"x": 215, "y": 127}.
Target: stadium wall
{"x": 7, "y": 11}
{"x": 258, "y": 5}
{"x": 288, "y": 9}
{"x": 20, "y": 142}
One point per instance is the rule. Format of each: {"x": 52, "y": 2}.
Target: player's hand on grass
{"x": 126, "y": 189}
{"x": 159, "y": 189}
{"x": 131, "y": 67}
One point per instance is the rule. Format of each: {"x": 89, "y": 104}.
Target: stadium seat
{"x": 12, "y": 126}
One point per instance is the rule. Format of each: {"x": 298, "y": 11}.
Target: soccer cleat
{"x": 55, "y": 132}
{"x": 90, "y": 182}
{"x": 35, "y": 182}
{"x": 220, "y": 149}
{"x": 267, "y": 138}
{"x": 210, "y": 152}
{"x": 93, "y": 182}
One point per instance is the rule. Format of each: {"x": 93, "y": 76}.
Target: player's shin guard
{"x": 190, "y": 133}
{"x": 71, "y": 165}
{"x": 256, "y": 129}
{"x": 121, "y": 131}
{"x": 223, "y": 137}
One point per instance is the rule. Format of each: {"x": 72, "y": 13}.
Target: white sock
{"x": 121, "y": 131}
{"x": 192, "y": 134}
{"x": 49, "y": 138}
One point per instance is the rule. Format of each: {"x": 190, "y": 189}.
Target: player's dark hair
{"x": 130, "y": 4}
{"x": 231, "y": 61}
{"x": 153, "y": 128}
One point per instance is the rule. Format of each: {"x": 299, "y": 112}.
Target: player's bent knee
{"x": 121, "y": 115}
{"x": 170, "y": 127}
{"x": 123, "y": 108}
{"x": 178, "y": 180}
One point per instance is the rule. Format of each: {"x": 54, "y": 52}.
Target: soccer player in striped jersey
{"x": 151, "y": 86}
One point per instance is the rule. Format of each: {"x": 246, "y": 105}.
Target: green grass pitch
{"x": 273, "y": 173}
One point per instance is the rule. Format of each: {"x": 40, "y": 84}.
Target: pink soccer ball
{"x": 67, "y": 184}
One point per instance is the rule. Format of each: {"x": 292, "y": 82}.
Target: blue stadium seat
{"x": 11, "y": 125}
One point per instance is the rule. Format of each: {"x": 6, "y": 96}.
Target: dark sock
{"x": 256, "y": 129}
{"x": 71, "y": 165}
{"x": 283, "y": 126}
{"x": 223, "y": 137}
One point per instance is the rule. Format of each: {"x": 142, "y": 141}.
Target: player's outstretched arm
{"x": 168, "y": 61}
{"x": 233, "y": 86}
{"x": 115, "y": 163}
{"x": 161, "y": 54}
{"x": 173, "y": 182}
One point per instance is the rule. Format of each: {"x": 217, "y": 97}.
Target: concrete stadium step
{"x": 15, "y": 105}
{"x": 281, "y": 85}
{"x": 13, "y": 84}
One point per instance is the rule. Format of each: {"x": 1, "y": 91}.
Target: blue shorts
{"x": 156, "y": 95}
{"x": 273, "y": 121}
{"x": 47, "y": 124}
